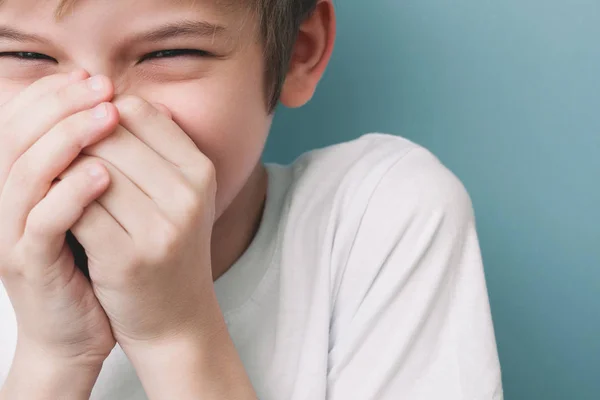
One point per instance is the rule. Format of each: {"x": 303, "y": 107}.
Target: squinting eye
{"x": 175, "y": 53}
{"x": 27, "y": 56}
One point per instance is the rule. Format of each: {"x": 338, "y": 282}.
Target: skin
{"x": 156, "y": 241}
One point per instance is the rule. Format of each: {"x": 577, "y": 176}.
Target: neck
{"x": 236, "y": 227}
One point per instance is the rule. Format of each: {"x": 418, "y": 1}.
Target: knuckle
{"x": 59, "y": 99}
{"x": 206, "y": 176}
{"x": 163, "y": 243}
{"x": 188, "y": 201}
{"x": 210, "y": 172}
{"x": 67, "y": 96}
{"x": 72, "y": 134}
{"x": 36, "y": 225}
{"x": 41, "y": 86}
{"x": 47, "y": 83}
{"x": 55, "y": 102}
{"x": 16, "y": 261}
{"x": 51, "y": 80}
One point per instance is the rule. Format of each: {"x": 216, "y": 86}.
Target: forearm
{"x": 205, "y": 366}
{"x": 33, "y": 379}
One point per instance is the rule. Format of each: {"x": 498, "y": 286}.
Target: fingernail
{"x": 96, "y": 83}
{"x": 100, "y": 111}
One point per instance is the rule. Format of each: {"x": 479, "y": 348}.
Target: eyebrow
{"x": 180, "y": 29}
{"x": 7, "y": 33}
{"x": 185, "y": 28}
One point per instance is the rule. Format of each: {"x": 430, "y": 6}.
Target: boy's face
{"x": 215, "y": 92}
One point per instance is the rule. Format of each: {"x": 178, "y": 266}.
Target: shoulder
{"x": 406, "y": 278}
{"x": 416, "y": 184}
{"x": 350, "y": 157}
{"x": 380, "y": 177}
{"x": 375, "y": 200}
{"x": 405, "y": 233}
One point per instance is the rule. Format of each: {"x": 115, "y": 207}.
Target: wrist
{"x": 38, "y": 376}
{"x": 202, "y": 364}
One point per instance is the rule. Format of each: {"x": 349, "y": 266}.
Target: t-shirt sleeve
{"x": 410, "y": 310}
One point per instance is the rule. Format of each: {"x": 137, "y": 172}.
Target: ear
{"x": 311, "y": 54}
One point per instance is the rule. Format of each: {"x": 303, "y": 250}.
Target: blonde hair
{"x": 60, "y": 9}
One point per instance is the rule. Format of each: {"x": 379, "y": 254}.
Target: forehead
{"x": 121, "y": 16}
{"x": 62, "y": 7}
{"x": 124, "y": 21}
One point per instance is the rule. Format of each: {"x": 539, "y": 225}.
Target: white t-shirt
{"x": 364, "y": 281}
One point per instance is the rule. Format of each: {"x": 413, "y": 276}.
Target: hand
{"x": 43, "y": 129}
{"x": 148, "y": 237}
{"x": 148, "y": 242}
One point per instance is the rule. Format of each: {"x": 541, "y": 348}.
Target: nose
{"x": 122, "y": 85}
{"x": 119, "y": 79}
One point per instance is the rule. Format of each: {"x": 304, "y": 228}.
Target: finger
{"x": 124, "y": 201}
{"x": 25, "y": 98}
{"x": 102, "y": 236}
{"x": 167, "y": 139}
{"x": 37, "y": 89}
{"x": 159, "y": 132}
{"x": 31, "y": 122}
{"x": 60, "y": 209}
{"x": 33, "y": 173}
{"x": 163, "y": 109}
{"x": 160, "y": 180}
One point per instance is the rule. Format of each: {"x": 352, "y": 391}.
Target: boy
{"x": 137, "y": 126}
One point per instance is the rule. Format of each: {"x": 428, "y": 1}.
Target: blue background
{"x": 506, "y": 94}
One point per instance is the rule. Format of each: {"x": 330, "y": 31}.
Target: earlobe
{"x": 312, "y": 52}
{"x": 296, "y": 92}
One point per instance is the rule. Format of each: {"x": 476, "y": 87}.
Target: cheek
{"x": 230, "y": 129}
{"x": 9, "y": 90}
